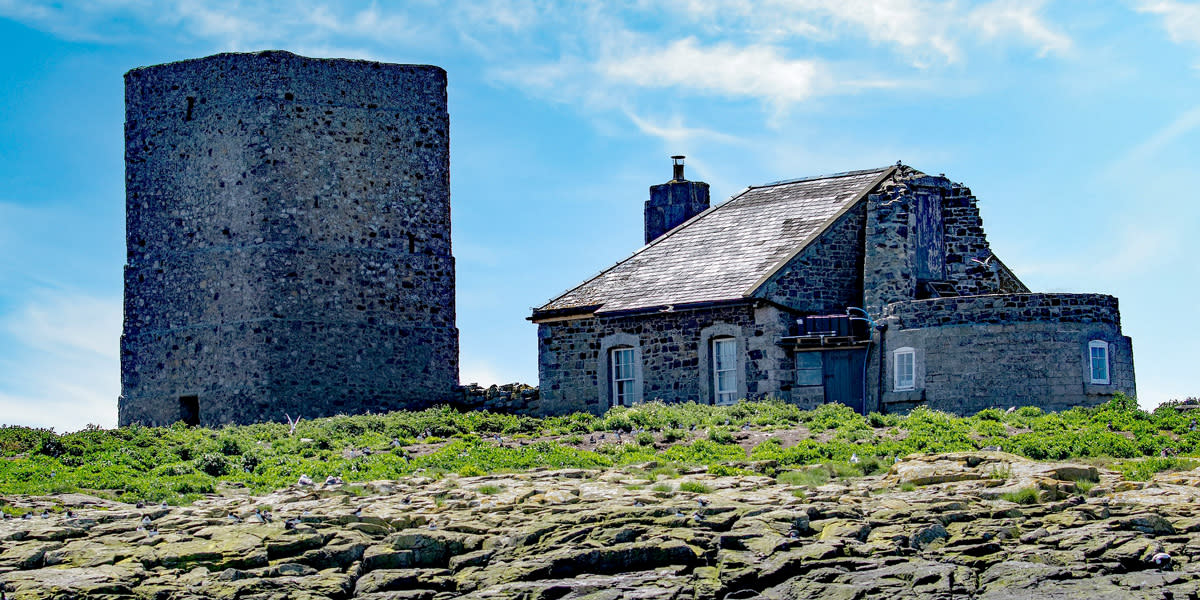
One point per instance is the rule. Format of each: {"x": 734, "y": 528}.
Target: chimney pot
{"x": 678, "y": 163}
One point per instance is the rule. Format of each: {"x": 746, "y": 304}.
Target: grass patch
{"x": 1022, "y": 496}
{"x": 181, "y": 464}
{"x": 695, "y": 487}
{"x": 489, "y": 489}
{"x": 663, "y": 488}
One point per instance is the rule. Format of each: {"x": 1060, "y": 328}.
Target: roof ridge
{"x": 819, "y": 177}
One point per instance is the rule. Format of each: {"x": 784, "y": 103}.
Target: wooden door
{"x": 844, "y": 378}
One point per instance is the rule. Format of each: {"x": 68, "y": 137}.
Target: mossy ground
{"x": 179, "y": 464}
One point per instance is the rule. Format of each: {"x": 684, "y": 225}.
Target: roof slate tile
{"x": 722, "y": 252}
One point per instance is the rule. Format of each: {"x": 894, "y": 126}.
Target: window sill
{"x": 904, "y": 396}
{"x": 1099, "y": 389}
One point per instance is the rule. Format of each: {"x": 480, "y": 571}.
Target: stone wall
{"x": 288, "y": 235}
{"x": 890, "y": 273}
{"x": 825, "y": 277}
{"x": 673, "y": 347}
{"x": 973, "y": 353}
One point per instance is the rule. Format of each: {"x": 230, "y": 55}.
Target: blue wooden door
{"x": 844, "y": 378}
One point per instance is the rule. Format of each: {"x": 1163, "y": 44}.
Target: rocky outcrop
{"x": 931, "y": 527}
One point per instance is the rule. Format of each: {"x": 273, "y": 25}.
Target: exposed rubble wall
{"x": 288, "y": 235}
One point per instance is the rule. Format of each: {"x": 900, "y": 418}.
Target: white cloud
{"x": 61, "y": 361}
{"x": 1018, "y": 19}
{"x": 674, "y": 133}
{"x": 723, "y": 69}
{"x": 1182, "y": 125}
{"x": 1180, "y": 19}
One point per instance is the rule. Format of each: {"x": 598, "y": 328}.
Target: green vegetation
{"x": 180, "y": 464}
{"x": 1022, "y": 496}
{"x": 695, "y": 487}
{"x": 489, "y": 489}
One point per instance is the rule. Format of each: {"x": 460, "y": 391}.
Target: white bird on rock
{"x": 304, "y": 480}
{"x": 333, "y": 480}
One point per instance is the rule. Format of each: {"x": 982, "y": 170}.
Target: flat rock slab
{"x": 597, "y": 535}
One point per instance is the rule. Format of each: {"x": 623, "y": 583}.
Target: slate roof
{"x": 723, "y": 253}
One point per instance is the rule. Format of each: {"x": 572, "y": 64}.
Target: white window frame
{"x": 900, "y": 383}
{"x": 728, "y": 394}
{"x": 1104, "y": 354}
{"x": 622, "y": 384}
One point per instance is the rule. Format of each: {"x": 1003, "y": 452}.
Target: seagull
{"x": 291, "y": 523}
{"x": 746, "y": 427}
{"x": 152, "y": 532}
{"x": 257, "y": 518}
{"x": 332, "y": 480}
{"x": 678, "y": 513}
{"x": 854, "y": 458}
{"x": 70, "y": 514}
{"x": 432, "y": 525}
{"x": 985, "y": 261}
{"x": 5, "y": 516}
{"x": 697, "y": 517}
{"x": 396, "y": 443}
{"x": 45, "y": 514}
{"x": 140, "y": 505}
{"x": 164, "y": 505}
{"x": 358, "y": 513}
{"x": 234, "y": 518}
{"x": 304, "y": 480}
{"x": 146, "y": 521}
{"x": 407, "y": 500}
{"x": 702, "y": 502}
{"x": 793, "y": 534}
{"x": 27, "y": 516}
{"x": 1162, "y": 560}
{"x": 638, "y": 503}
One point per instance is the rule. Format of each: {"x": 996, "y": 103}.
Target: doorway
{"x": 189, "y": 410}
{"x": 844, "y": 378}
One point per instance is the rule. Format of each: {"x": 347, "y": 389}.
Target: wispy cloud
{"x": 62, "y": 361}
{"x": 1180, "y": 19}
{"x": 1019, "y": 20}
{"x": 1180, "y": 126}
{"x": 723, "y": 69}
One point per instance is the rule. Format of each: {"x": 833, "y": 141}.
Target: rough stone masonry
{"x": 288, "y": 235}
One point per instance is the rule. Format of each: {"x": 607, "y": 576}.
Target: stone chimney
{"x": 674, "y": 202}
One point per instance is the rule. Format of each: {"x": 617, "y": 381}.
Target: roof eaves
{"x": 824, "y": 226}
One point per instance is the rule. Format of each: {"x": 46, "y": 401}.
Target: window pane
{"x": 904, "y": 364}
{"x": 726, "y": 383}
{"x": 725, "y": 354}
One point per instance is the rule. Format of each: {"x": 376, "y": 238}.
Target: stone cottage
{"x": 873, "y": 288}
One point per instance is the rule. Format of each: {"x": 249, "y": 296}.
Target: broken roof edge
{"x": 887, "y": 173}
{"x": 818, "y": 177}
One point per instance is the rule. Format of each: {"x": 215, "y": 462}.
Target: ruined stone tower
{"x": 288, "y": 236}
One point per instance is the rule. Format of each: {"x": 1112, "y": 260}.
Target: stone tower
{"x": 288, "y": 236}
{"x": 674, "y": 202}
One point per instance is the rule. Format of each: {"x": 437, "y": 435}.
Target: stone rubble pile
{"x": 607, "y": 534}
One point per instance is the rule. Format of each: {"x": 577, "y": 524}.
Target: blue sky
{"x": 1077, "y": 124}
